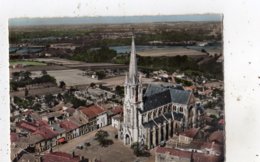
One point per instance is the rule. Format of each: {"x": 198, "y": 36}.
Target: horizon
{"x": 16, "y": 22}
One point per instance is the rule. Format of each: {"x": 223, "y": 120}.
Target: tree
{"x": 92, "y": 85}
{"x": 119, "y": 90}
{"x": 36, "y": 107}
{"x": 101, "y": 74}
{"x": 27, "y": 75}
{"x": 44, "y": 72}
{"x": 49, "y": 99}
{"x": 101, "y": 137}
{"x": 26, "y": 92}
{"x": 139, "y": 150}
{"x": 62, "y": 85}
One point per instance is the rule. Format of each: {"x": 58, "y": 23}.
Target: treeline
{"x": 210, "y": 69}
{"x": 17, "y": 36}
{"x": 23, "y": 78}
{"x": 104, "y": 54}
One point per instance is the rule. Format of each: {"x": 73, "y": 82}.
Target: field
{"x": 71, "y": 77}
{"x": 27, "y": 63}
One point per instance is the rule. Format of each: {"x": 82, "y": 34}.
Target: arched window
{"x": 160, "y": 111}
{"x": 174, "y": 108}
{"x": 154, "y": 114}
{"x": 181, "y": 109}
{"x": 169, "y": 108}
{"x": 149, "y": 116}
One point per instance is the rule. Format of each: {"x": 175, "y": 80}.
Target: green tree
{"x": 36, "y": 107}
{"x": 101, "y": 74}
{"x": 139, "y": 150}
{"x": 101, "y": 137}
{"x": 62, "y": 85}
{"x": 119, "y": 90}
{"x": 44, "y": 72}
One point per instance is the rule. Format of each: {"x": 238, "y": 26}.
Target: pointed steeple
{"x": 133, "y": 63}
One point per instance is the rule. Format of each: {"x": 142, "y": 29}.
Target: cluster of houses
{"x": 35, "y": 133}
{"x": 186, "y": 147}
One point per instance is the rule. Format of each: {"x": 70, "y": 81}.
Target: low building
{"x": 188, "y": 135}
{"x": 176, "y": 155}
{"x": 171, "y": 155}
{"x": 96, "y": 116}
{"x": 62, "y": 157}
{"x": 116, "y": 120}
{"x": 217, "y": 137}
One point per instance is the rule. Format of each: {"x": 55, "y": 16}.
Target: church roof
{"x": 159, "y": 95}
{"x": 161, "y": 119}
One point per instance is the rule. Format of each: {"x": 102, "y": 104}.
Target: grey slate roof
{"x": 158, "y": 95}
{"x": 156, "y": 100}
{"x": 161, "y": 119}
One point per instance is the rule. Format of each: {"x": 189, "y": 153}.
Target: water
{"x": 127, "y": 49}
{"x": 24, "y": 50}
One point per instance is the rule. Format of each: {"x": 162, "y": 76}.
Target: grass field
{"x": 27, "y": 63}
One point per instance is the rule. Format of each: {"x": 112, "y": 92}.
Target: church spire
{"x": 133, "y": 63}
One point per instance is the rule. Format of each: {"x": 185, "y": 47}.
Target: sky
{"x": 112, "y": 19}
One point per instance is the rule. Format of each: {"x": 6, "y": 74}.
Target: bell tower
{"x": 133, "y": 101}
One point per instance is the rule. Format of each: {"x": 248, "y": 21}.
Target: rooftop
{"x": 217, "y": 136}
{"x": 159, "y": 95}
{"x": 190, "y": 132}
{"x": 60, "y": 157}
{"x": 91, "y": 111}
{"x": 174, "y": 152}
{"x": 68, "y": 125}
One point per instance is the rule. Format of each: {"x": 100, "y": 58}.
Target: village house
{"x": 163, "y": 154}
{"x": 188, "y": 135}
{"x": 95, "y": 115}
{"x": 116, "y": 120}
{"x": 62, "y": 157}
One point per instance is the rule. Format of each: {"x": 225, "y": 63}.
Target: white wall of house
{"x": 102, "y": 120}
{"x": 116, "y": 123}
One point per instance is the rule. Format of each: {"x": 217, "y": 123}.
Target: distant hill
{"x": 112, "y": 19}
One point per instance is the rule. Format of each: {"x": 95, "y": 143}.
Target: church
{"x": 154, "y": 116}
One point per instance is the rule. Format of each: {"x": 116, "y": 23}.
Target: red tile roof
{"x": 175, "y": 152}
{"x": 46, "y": 132}
{"x": 59, "y": 157}
{"x": 190, "y": 132}
{"x": 91, "y": 111}
{"x": 207, "y": 145}
{"x": 197, "y": 157}
{"x": 221, "y": 122}
{"x": 117, "y": 110}
{"x": 68, "y": 125}
{"x": 32, "y": 127}
{"x": 38, "y": 127}
{"x": 201, "y": 157}
{"x": 217, "y": 136}
{"x": 14, "y": 137}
